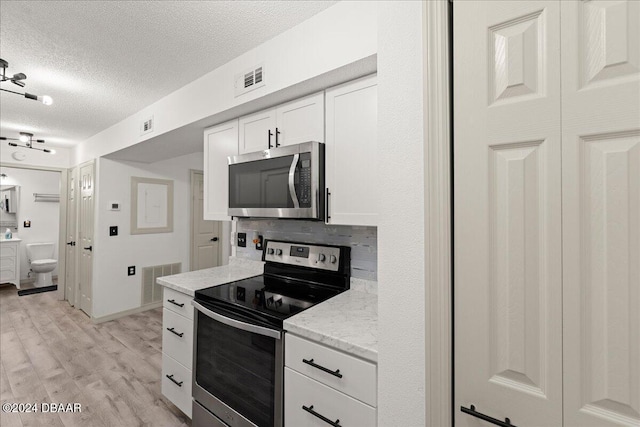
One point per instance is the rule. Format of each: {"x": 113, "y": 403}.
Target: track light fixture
{"x": 18, "y": 80}
{"x": 28, "y": 140}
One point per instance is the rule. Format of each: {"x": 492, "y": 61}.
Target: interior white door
{"x": 301, "y": 120}
{"x": 257, "y": 131}
{"x": 71, "y": 240}
{"x": 85, "y": 235}
{"x": 601, "y": 212}
{"x": 507, "y": 212}
{"x": 206, "y": 239}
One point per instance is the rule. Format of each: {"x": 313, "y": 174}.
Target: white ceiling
{"x": 102, "y": 61}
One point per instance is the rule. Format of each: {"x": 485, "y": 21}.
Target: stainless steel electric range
{"x": 238, "y": 366}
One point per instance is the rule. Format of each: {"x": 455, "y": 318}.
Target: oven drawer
{"x": 178, "y": 392}
{"x": 177, "y": 302}
{"x": 358, "y": 377}
{"x": 177, "y": 342}
{"x": 324, "y": 401}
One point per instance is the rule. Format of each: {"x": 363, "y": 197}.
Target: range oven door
{"x": 238, "y": 369}
{"x": 283, "y": 182}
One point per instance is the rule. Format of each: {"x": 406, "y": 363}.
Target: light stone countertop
{"x": 189, "y": 283}
{"x": 347, "y": 322}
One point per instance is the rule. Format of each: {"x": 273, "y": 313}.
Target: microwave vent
{"x": 249, "y": 80}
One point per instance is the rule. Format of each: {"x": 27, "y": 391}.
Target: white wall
{"x": 113, "y": 290}
{"x": 60, "y": 159}
{"x": 44, "y": 216}
{"x": 401, "y": 266}
{"x": 338, "y": 36}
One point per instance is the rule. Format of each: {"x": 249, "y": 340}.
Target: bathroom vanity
{"x": 10, "y": 261}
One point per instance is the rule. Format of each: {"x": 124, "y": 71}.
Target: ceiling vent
{"x": 249, "y": 80}
{"x": 146, "y": 126}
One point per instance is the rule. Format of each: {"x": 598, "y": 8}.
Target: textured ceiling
{"x": 102, "y": 61}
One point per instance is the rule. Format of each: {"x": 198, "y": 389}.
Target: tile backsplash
{"x": 362, "y": 240}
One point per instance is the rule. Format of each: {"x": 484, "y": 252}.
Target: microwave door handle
{"x": 260, "y": 330}
{"x": 292, "y": 187}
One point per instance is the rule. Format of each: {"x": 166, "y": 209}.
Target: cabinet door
{"x": 507, "y": 212}
{"x": 254, "y": 131}
{"x": 601, "y": 212}
{"x": 301, "y": 120}
{"x": 351, "y": 152}
{"x": 219, "y": 142}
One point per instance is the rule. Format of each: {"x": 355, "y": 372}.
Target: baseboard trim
{"x": 120, "y": 314}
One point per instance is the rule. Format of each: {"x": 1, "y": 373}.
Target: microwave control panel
{"x": 320, "y": 257}
{"x": 304, "y": 183}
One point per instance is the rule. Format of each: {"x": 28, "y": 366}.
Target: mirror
{"x": 9, "y": 203}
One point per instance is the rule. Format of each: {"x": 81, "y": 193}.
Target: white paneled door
{"x": 70, "y": 270}
{"x": 507, "y": 212}
{"x": 87, "y": 189}
{"x": 547, "y": 212}
{"x": 206, "y": 236}
{"x": 601, "y": 212}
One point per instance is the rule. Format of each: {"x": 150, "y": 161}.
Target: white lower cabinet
{"x": 10, "y": 262}
{"x": 176, "y": 384}
{"x": 323, "y": 385}
{"x": 177, "y": 349}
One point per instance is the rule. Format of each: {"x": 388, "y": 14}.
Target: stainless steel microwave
{"x": 282, "y": 182}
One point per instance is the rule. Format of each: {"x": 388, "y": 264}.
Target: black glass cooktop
{"x": 264, "y": 298}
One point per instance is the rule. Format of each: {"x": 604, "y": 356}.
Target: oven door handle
{"x": 260, "y": 330}
{"x": 292, "y": 186}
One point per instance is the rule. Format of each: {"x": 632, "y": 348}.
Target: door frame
{"x": 438, "y": 236}
{"x": 62, "y": 228}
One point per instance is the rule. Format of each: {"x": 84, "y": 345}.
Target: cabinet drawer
{"x": 177, "y": 302}
{"x": 8, "y": 263}
{"x": 8, "y": 250}
{"x": 180, "y": 395}
{"x": 302, "y": 391}
{"x": 177, "y": 344}
{"x": 7, "y": 274}
{"x": 358, "y": 379}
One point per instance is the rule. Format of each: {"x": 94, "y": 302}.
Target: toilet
{"x": 41, "y": 261}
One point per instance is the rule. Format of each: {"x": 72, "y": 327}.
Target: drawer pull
{"x": 335, "y": 373}
{"x": 472, "y": 411}
{"x": 179, "y": 384}
{"x": 173, "y": 331}
{"x": 172, "y": 301}
{"x": 310, "y": 410}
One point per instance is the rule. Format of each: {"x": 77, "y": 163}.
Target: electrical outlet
{"x": 27, "y": 224}
{"x": 259, "y": 243}
{"x": 113, "y": 230}
{"x": 242, "y": 240}
{"x": 131, "y": 270}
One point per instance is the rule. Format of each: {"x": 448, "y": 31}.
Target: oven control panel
{"x": 320, "y": 257}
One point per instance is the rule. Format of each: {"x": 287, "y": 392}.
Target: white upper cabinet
{"x": 301, "y": 120}
{"x": 219, "y": 142}
{"x": 297, "y": 121}
{"x": 351, "y": 152}
{"x": 257, "y": 131}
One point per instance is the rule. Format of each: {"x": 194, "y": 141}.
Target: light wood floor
{"x": 51, "y": 352}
